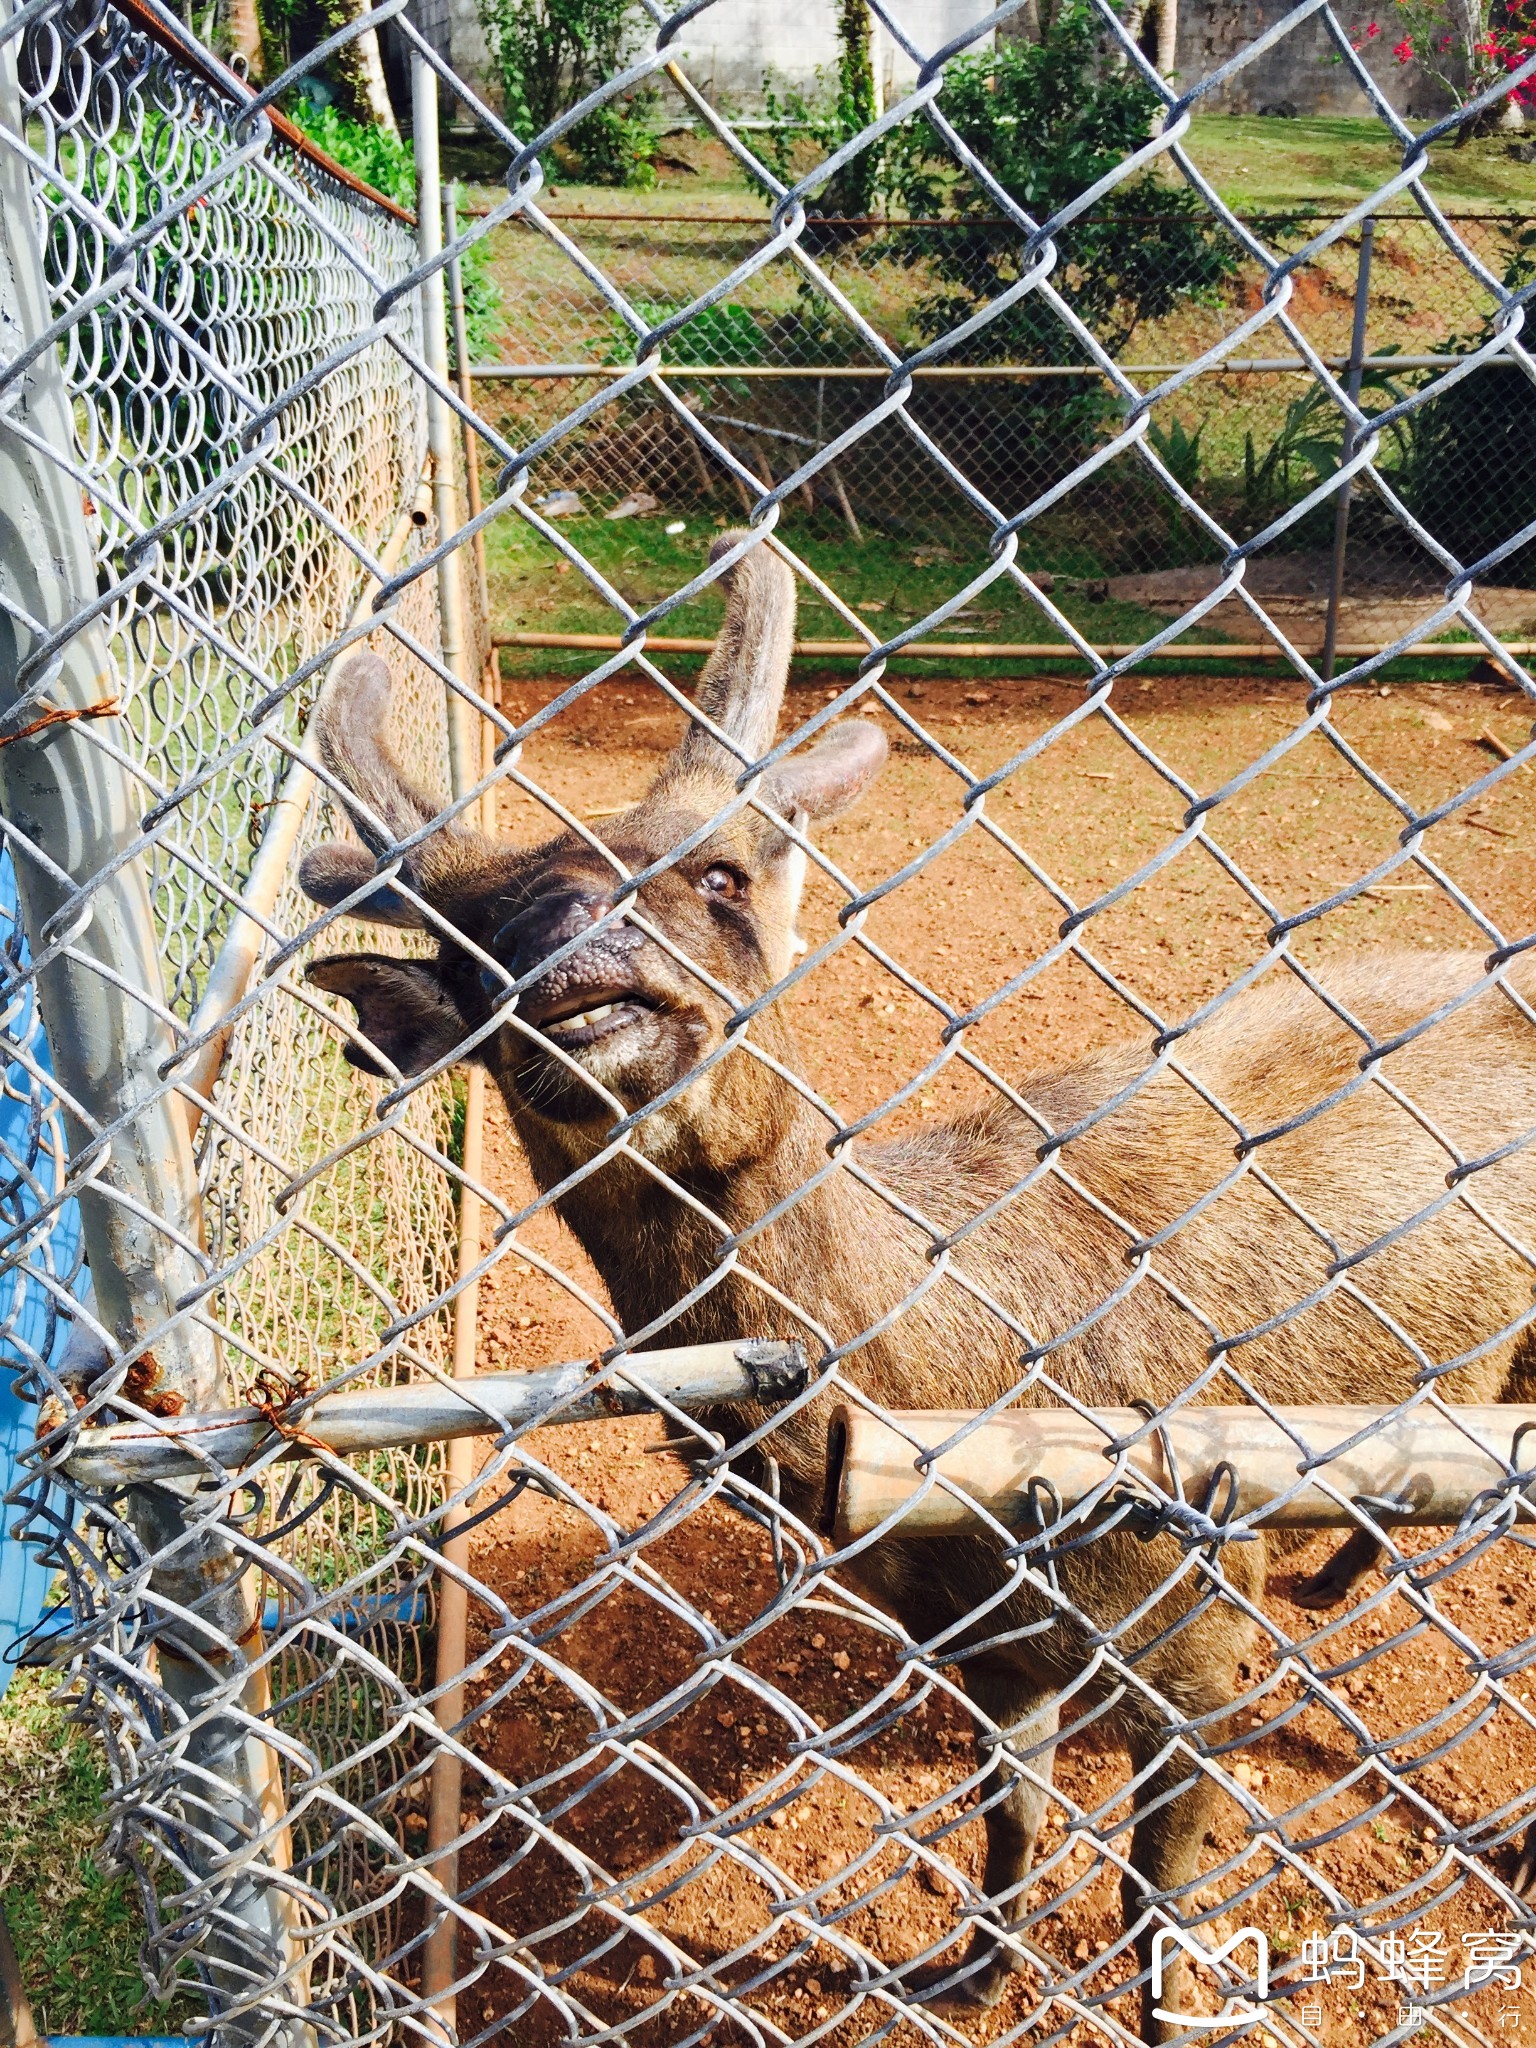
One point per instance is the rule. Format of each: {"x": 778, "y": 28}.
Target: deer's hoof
{"x": 974, "y": 1985}
{"x": 1523, "y": 1883}
{"x": 1326, "y": 1588}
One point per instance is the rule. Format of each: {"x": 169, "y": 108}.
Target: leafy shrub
{"x": 550, "y": 54}
{"x": 378, "y": 158}
{"x": 1471, "y": 470}
{"x": 1049, "y": 119}
{"x": 385, "y": 162}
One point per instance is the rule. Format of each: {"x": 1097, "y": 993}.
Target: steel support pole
{"x": 1352, "y": 380}
{"x": 463, "y": 725}
{"x": 70, "y": 812}
{"x": 459, "y": 317}
{"x": 466, "y": 756}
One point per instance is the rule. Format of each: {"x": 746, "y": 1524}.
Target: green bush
{"x": 1049, "y": 119}
{"x": 385, "y": 162}
{"x": 1470, "y": 474}
{"x": 379, "y": 159}
{"x": 550, "y": 55}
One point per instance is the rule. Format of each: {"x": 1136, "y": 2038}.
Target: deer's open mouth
{"x": 583, "y": 1019}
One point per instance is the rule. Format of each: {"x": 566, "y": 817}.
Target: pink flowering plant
{"x": 1465, "y": 46}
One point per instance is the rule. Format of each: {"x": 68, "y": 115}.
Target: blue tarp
{"x": 29, "y": 1321}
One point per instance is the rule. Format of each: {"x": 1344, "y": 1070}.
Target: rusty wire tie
{"x": 105, "y": 707}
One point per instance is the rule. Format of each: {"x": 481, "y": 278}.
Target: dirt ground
{"x": 795, "y": 1898}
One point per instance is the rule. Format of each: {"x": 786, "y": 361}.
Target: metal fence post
{"x": 1352, "y": 381}
{"x": 467, "y": 750}
{"x": 463, "y": 746}
{"x": 70, "y": 821}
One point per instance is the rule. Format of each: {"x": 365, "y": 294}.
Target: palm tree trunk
{"x": 1167, "y": 37}
{"x": 360, "y": 69}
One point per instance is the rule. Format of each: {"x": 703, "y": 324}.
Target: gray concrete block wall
{"x": 1302, "y": 70}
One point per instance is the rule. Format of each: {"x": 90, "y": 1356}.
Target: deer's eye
{"x": 724, "y": 883}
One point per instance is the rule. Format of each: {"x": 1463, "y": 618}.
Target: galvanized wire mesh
{"x": 721, "y": 1762}
{"x": 228, "y": 565}
{"x": 1252, "y": 424}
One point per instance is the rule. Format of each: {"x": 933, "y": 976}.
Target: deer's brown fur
{"x": 737, "y": 1138}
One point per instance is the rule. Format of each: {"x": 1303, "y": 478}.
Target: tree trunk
{"x": 360, "y": 71}
{"x": 242, "y": 26}
{"x": 1167, "y": 37}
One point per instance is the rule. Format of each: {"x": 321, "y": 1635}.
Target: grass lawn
{"x": 1256, "y": 163}
{"x": 891, "y": 582}
{"x": 77, "y": 1932}
{"x": 1330, "y": 162}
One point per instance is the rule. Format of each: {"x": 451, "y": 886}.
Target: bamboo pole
{"x": 1415, "y": 1467}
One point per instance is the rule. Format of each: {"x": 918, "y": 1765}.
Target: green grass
{"x": 1258, "y": 163}
{"x": 1329, "y": 162}
{"x": 905, "y": 579}
{"x": 77, "y": 1932}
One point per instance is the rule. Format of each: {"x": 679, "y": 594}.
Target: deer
{"x": 588, "y": 1005}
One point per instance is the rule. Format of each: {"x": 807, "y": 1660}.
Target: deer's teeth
{"x": 584, "y": 1019}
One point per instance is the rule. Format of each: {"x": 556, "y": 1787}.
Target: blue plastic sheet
{"x": 30, "y": 1325}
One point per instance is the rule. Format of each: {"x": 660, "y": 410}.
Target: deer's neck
{"x": 836, "y": 1251}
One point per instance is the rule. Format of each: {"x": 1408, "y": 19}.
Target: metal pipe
{"x": 1417, "y": 1468}
{"x": 466, "y": 758}
{"x": 460, "y": 322}
{"x": 444, "y": 1818}
{"x": 248, "y": 935}
{"x": 1347, "y": 449}
{"x": 463, "y": 748}
{"x": 1032, "y": 650}
{"x": 976, "y": 373}
{"x": 71, "y": 811}
{"x": 391, "y": 1418}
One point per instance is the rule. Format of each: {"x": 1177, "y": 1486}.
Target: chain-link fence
{"x": 1039, "y": 1547}
{"x": 1157, "y": 292}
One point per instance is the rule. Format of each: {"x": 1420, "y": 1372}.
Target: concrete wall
{"x": 1301, "y": 71}
{"x": 735, "y": 44}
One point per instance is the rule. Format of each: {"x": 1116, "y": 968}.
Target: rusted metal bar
{"x": 387, "y": 1418}
{"x": 445, "y": 1811}
{"x": 1031, "y": 650}
{"x": 1416, "y": 1467}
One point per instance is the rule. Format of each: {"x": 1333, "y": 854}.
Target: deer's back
{"x": 1269, "y": 1236}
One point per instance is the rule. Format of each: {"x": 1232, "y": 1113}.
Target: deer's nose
{"x": 552, "y": 922}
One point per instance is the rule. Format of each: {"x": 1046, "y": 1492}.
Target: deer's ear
{"x": 331, "y": 873}
{"x": 403, "y": 1010}
{"x": 834, "y": 774}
